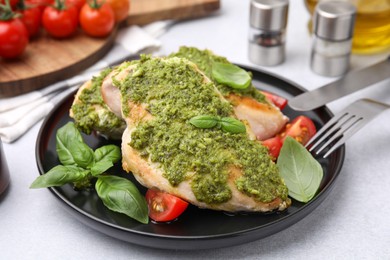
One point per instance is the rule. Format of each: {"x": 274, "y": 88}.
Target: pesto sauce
{"x": 204, "y": 59}
{"x": 174, "y": 92}
{"x": 85, "y": 115}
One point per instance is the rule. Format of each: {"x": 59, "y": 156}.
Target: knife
{"x": 350, "y": 83}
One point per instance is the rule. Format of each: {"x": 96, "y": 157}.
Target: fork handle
{"x": 350, "y": 83}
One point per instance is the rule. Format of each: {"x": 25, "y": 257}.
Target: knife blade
{"x": 350, "y": 83}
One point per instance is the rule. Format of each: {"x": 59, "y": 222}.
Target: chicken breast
{"x": 209, "y": 168}
{"x": 90, "y": 113}
{"x": 265, "y": 119}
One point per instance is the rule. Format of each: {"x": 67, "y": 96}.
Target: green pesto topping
{"x": 91, "y": 113}
{"x": 205, "y": 59}
{"x": 174, "y": 92}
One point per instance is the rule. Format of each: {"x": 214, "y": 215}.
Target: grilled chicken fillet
{"x": 209, "y": 168}
{"x": 91, "y": 113}
{"x": 265, "y": 119}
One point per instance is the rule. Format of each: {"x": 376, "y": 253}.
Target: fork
{"x": 344, "y": 124}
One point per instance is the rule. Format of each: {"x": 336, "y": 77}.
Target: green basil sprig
{"x": 80, "y": 164}
{"x": 231, "y": 75}
{"x": 300, "y": 171}
{"x": 227, "y": 124}
{"x": 121, "y": 195}
{"x": 232, "y": 125}
{"x": 204, "y": 121}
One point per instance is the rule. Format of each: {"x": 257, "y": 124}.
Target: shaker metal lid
{"x": 268, "y": 14}
{"x": 334, "y": 20}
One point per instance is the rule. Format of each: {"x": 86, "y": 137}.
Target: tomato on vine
{"x": 30, "y": 16}
{"x": 97, "y": 19}
{"x": 13, "y": 33}
{"x": 60, "y": 20}
{"x": 76, "y": 3}
{"x": 12, "y": 3}
{"x": 41, "y": 4}
{"x": 121, "y": 9}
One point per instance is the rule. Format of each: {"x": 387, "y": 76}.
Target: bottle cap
{"x": 268, "y": 14}
{"x": 334, "y": 20}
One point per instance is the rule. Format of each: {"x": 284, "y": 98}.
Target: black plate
{"x": 196, "y": 228}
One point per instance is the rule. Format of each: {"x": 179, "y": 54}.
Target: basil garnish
{"x": 227, "y": 124}
{"x": 59, "y": 175}
{"x": 71, "y": 148}
{"x": 300, "y": 171}
{"x": 104, "y": 158}
{"x": 231, "y": 75}
{"x": 81, "y": 164}
{"x": 204, "y": 121}
{"x": 121, "y": 195}
{"x": 232, "y": 125}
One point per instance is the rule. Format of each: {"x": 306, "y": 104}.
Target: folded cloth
{"x": 11, "y": 133}
{"x": 18, "y": 114}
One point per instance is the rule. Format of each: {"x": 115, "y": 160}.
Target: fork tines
{"x": 343, "y": 125}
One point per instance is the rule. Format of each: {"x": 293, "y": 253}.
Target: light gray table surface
{"x": 352, "y": 223}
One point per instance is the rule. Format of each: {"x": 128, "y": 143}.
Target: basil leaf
{"x": 59, "y": 175}
{"x": 105, "y": 157}
{"x": 231, "y": 75}
{"x": 111, "y": 153}
{"x": 300, "y": 171}
{"x": 71, "y": 148}
{"x": 232, "y": 125}
{"x": 100, "y": 167}
{"x": 121, "y": 195}
{"x": 204, "y": 121}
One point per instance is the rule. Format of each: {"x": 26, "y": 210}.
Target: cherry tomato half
{"x": 13, "y": 38}
{"x": 274, "y": 145}
{"x": 301, "y": 128}
{"x": 164, "y": 207}
{"x": 60, "y": 23}
{"x": 97, "y": 22}
{"x": 278, "y": 101}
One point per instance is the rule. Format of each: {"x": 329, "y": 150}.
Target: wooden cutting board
{"x": 47, "y": 60}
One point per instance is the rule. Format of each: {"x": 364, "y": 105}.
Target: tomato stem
{"x": 94, "y": 4}
{"x": 60, "y": 5}
{"x": 6, "y": 12}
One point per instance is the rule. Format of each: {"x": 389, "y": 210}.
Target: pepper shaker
{"x": 332, "y": 38}
{"x": 267, "y": 32}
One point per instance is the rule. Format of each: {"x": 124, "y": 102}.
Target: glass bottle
{"x": 372, "y": 25}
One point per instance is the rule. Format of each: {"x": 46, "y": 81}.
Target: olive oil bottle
{"x": 372, "y": 25}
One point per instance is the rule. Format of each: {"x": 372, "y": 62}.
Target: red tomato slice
{"x": 278, "y": 101}
{"x": 301, "y": 128}
{"x": 274, "y": 145}
{"x": 164, "y": 207}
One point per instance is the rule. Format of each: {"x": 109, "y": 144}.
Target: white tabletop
{"x": 352, "y": 222}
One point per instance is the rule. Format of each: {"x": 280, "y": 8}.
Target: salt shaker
{"x": 267, "y": 32}
{"x": 332, "y": 38}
